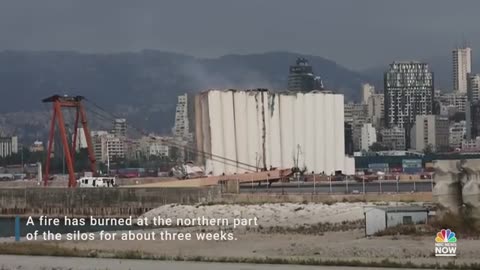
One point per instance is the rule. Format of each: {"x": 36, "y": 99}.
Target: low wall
{"x": 64, "y": 183}
{"x": 97, "y": 201}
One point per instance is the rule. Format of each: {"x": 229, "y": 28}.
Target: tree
{"x": 428, "y": 149}
{"x": 376, "y": 147}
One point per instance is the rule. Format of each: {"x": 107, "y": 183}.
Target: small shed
{"x": 378, "y": 218}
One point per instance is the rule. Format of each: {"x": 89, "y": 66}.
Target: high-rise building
{"x": 430, "y": 131}
{"x": 181, "y": 128}
{"x": 408, "y": 93}
{"x": 473, "y": 87}
{"x": 368, "y": 90}
{"x": 348, "y": 139}
{"x": 302, "y": 78}
{"x": 462, "y": 65}
{"x": 120, "y": 127}
{"x": 368, "y": 137}
{"x": 355, "y": 115}
{"x": 457, "y": 134}
{"x": 8, "y": 146}
{"x": 376, "y": 110}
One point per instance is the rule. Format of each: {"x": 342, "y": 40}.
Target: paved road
{"x": 339, "y": 187}
{"x": 8, "y": 262}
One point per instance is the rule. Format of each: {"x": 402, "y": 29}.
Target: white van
{"x": 96, "y": 182}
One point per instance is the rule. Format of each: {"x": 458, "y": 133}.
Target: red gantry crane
{"x": 58, "y": 103}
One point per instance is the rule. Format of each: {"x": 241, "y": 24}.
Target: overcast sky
{"x": 355, "y": 33}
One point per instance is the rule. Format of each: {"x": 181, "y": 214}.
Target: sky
{"x": 358, "y": 34}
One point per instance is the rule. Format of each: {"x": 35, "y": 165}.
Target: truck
{"x": 90, "y": 182}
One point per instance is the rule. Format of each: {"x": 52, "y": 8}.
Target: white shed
{"x": 379, "y": 218}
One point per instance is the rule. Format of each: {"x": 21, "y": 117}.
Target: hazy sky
{"x": 355, "y": 33}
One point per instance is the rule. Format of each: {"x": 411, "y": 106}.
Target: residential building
{"x": 8, "y": 146}
{"x": 107, "y": 146}
{"x": 376, "y": 110}
{"x": 115, "y": 147}
{"x": 301, "y": 77}
{"x": 394, "y": 138}
{"x": 457, "y": 100}
{"x": 133, "y": 150}
{"x": 368, "y": 136}
{"x": 409, "y": 92}
{"x": 120, "y": 127}
{"x": 462, "y": 65}
{"x": 154, "y": 146}
{"x": 368, "y": 90}
{"x": 448, "y": 110}
{"x": 471, "y": 145}
{"x": 430, "y": 131}
{"x": 457, "y": 134}
{"x": 355, "y": 112}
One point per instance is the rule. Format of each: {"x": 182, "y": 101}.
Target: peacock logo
{"x": 445, "y": 236}
{"x": 445, "y": 243}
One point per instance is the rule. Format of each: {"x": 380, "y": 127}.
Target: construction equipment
{"x": 58, "y": 103}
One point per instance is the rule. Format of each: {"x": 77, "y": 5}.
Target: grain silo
{"x": 264, "y": 129}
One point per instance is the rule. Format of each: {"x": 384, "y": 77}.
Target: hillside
{"x": 142, "y": 86}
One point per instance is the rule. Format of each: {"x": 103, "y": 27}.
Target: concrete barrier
{"x": 97, "y": 201}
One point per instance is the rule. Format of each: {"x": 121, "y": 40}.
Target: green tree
{"x": 376, "y": 147}
{"x": 428, "y": 149}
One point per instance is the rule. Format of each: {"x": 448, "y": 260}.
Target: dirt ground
{"x": 332, "y": 245}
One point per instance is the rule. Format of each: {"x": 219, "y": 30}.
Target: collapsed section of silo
{"x": 471, "y": 186}
{"x": 241, "y": 131}
{"x": 447, "y": 191}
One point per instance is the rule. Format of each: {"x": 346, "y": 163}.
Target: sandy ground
{"x": 269, "y": 215}
{"x": 334, "y": 244}
{"x": 46, "y": 263}
{"x": 351, "y": 244}
{"x": 348, "y": 245}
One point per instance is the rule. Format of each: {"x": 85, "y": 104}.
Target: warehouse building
{"x": 240, "y": 131}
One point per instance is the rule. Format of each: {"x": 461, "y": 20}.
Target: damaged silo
{"x": 471, "y": 186}
{"x": 447, "y": 191}
{"x": 263, "y": 129}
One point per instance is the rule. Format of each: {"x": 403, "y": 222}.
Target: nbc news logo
{"x": 445, "y": 243}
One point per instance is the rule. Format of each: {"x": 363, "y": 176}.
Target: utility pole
{"x": 314, "y": 190}
{"x": 21, "y": 156}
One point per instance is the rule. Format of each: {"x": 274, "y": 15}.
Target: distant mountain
{"x": 143, "y": 86}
